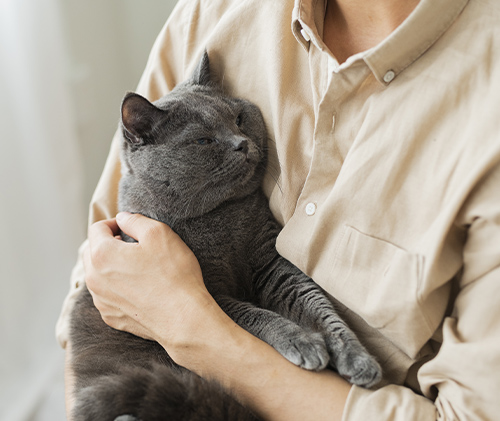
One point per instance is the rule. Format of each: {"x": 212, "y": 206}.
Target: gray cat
{"x": 195, "y": 160}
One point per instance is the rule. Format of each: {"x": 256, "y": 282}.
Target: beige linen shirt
{"x": 388, "y": 169}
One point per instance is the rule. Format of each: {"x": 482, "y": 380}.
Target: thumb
{"x": 138, "y": 226}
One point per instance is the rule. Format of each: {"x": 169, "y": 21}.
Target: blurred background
{"x": 64, "y": 67}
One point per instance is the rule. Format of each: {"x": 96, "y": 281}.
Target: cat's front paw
{"x": 357, "y": 366}
{"x": 304, "y": 349}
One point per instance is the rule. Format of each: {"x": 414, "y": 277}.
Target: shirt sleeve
{"x": 463, "y": 380}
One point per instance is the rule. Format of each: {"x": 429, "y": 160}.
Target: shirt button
{"x": 310, "y": 209}
{"x": 305, "y": 35}
{"x": 389, "y": 76}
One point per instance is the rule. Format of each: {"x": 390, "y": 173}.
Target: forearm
{"x": 258, "y": 375}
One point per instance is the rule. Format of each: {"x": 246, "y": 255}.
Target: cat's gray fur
{"x": 195, "y": 160}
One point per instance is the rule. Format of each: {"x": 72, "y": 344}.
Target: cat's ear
{"x": 138, "y": 117}
{"x": 201, "y": 75}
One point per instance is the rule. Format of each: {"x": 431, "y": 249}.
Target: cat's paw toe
{"x": 361, "y": 370}
{"x": 307, "y": 350}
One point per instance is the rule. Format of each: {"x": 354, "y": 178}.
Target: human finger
{"x": 104, "y": 228}
{"x": 140, "y": 227}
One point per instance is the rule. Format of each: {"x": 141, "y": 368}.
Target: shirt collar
{"x": 424, "y": 26}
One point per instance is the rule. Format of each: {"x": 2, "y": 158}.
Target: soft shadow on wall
{"x": 64, "y": 67}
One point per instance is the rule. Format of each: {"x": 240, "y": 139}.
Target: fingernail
{"x": 120, "y": 216}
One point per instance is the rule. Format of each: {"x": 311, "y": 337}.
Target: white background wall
{"x": 109, "y": 42}
{"x": 64, "y": 67}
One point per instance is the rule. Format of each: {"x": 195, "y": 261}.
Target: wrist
{"x": 200, "y": 327}
{"x": 258, "y": 375}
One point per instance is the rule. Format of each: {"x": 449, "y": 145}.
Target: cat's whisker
{"x": 276, "y": 180}
{"x": 270, "y": 139}
{"x": 204, "y": 196}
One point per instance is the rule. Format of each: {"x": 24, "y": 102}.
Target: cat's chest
{"x": 224, "y": 241}
{"x": 217, "y": 237}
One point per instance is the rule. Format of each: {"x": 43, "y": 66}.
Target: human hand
{"x": 153, "y": 288}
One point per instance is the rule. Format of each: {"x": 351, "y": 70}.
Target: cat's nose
{"x": 241, "y": 145}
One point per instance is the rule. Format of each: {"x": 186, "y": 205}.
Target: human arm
{"x": 171, "y": 304}
{"x": 461, "y": 382}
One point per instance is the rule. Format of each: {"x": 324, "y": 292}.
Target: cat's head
{"x": 195, "y": 144}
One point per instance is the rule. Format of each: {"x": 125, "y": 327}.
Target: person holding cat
{"x": 386, "y": 140}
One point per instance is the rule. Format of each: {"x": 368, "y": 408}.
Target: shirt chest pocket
{"x": 380, "y": 282}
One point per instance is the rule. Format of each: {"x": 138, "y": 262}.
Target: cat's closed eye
{"x": 238, "y": 120}
{"x": 205, "y": 141}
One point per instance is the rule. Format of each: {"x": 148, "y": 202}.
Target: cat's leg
{"x": 288, "y": 291}
{"x": 304, "y": 348}
{"x": 348, "y": 355}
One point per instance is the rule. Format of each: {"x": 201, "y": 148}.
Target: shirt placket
{"x": 330, "y": 90}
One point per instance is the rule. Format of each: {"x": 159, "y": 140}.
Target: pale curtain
{"x": 42, "y": 217}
